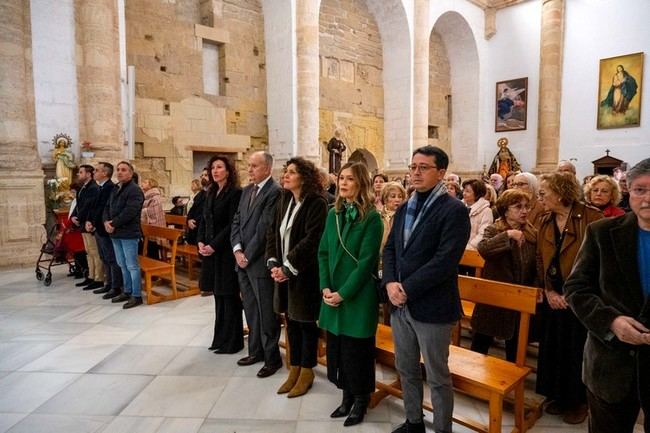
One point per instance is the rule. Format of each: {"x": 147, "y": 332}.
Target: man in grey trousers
{"x": 248, "y": 238}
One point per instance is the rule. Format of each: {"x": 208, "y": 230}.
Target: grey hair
{"x": 533, "y": 183}
{"x": 642, "y": 168}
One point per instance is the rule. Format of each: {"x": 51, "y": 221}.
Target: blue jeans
{"x": 126, "y": 254}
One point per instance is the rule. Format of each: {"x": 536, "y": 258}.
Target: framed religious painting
{"x": 619, "y": 91}
{"x": 511, "y": 105}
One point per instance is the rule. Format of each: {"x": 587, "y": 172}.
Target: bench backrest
{"x": 169, "y": 234}
{"x": 176, "y": 220}
{"x": 472, "y": 259}
{"x": 504, "y": 295}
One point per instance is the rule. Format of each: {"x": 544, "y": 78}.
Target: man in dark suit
{"x": 85, "y": 201}
{"x": 609, "y": 291}
{"x": 95, "y": 224}
{"x": 420, "y": 273}
{"x": 253, "y": 217}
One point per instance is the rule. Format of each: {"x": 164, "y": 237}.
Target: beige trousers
{"x": 95, "y": 265}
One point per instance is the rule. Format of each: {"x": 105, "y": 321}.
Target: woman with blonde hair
{"x": 603, "y": 192}
{"x": 152, "y": 213}
{"x": 348, "y": 256}
{"x": 392, "y": 195}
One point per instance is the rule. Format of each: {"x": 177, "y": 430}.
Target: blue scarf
{"x": 410, "y": 221}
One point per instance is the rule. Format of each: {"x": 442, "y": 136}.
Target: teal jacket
{"x": 357, "y": 315}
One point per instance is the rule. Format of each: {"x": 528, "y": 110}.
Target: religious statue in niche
{"x": 63, "y": 158}
{"x": 335, "y": 147}
{"x": 504, "y": 161}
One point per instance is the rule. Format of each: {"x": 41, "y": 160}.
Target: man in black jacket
{"x": 122, "y": 223}
{"x": 95, "y": 224}
{"x": 420, "y": 273}
{"x": 80, "y": 215}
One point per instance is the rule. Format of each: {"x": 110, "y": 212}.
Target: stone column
{"x": 550, "y": 85}
{"x": 421, "y": 74}
{"x": 307, "y": 78}
{"x": 22, "y": 205}
{"x": 98, "y": 77}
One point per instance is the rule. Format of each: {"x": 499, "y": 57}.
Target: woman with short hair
{"x": 528, "y": 182}
{"x": 480, "y": 213}
{"x": 603, "y": 192}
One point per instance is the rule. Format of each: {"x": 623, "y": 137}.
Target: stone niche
{"x": 351, "y": 78}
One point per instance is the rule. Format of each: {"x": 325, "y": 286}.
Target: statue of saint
{"x": 504, "y": 161}
{"x": 336, "y": 148}
{"x": 64, "y": 158}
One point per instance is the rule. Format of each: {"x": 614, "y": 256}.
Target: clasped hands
{"x": 396, "y": 294}
{"x": 241, "y": 259}
{"x": 333, "y": 299}
{"x": 205, "y": 249}
{"x": 278, "y": 274}
{"x": 630, "y": 331}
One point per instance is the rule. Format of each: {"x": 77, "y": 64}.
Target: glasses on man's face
{"x": 639, "y": 191}
{"x": 519, "y": 184}
{"x": 422, "y": 168}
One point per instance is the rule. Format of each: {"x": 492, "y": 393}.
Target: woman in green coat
{"x": 347, "y": 259}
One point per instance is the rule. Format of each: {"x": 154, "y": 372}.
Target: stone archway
{"x": 462, "y": 136}
{"x": 365, "y": 157}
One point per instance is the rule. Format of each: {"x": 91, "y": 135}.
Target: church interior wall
{"x": 439, "y": 91}
{"x": 351, "y": 77}
{"x": 591, "y": 34}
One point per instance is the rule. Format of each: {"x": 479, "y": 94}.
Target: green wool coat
{"x": 357, "y": 315}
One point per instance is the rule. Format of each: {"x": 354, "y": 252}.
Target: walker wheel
{"x": 48, "y": 279}
{"x": 39, "y": 275}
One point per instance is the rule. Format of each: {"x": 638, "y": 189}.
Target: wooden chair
{"x": 481, "y": 376}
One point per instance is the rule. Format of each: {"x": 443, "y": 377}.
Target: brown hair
{"x": 564, "y": 185}
{"x": 613, "y": 185}
{"x": 365, "y": 199}
{"x": 310, "y": 176}
{"x": 478, "y": 187}
{"x": 233, "y": 177}
{"x": 510, "y": 197}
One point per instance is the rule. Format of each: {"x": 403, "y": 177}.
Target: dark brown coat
{"x": 505, "y": 261}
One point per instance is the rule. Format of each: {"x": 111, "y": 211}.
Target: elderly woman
{"x": 509, "y": 248}
{"x": 480, "y": 214}
{"x": 528, "y": 182}
{"x": 602, "y": 192}
{"x": 560, "y": 234}
{"x": 378, "y": 182}
{"x": 347, "y": 259}
{"x": 218, "y": 261}
{"x": 152, "y": 213}
{"x": 392, "y": 195}
{"x": 292, "y": 258}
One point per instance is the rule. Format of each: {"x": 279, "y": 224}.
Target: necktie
{"x": 253, "y": 196}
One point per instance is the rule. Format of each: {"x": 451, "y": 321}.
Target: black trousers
{"x": 616, "y": 417}
{"x": 351, "y": 363}
{"x": 228, "y": 324}
{"x": 481, "y": 343}
{"x": 111, "y": 268}
{"x": 303, "y": 343}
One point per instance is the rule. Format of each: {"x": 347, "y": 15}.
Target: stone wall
{"x": 439, "y": 91}
{"x": 174, "y": 116}
{"x": 351, "y": 79}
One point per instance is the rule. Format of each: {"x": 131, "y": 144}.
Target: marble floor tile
{"x": 198, "y": 361}
{"x": 204, "y": 337}
{"x": 242, "y": 426}
{"x": 177, "y": 396}
{"x": 41, "y": 386}
{"x": 236, "y": 402}
{"x": 14, "y": 355}
{"x": 180, "y": 425}
{"x": 96, "y": 394}
{"x": 25, "y": 299}
{"x": 137, "y": 360}
{"x": 37, "y": 423}
{"x": 189, "y": 317}
{"x": 71, "y": 358}
{"x": 8, "y": 420}
{"x": 89, "y": 314}
{"x": 131, "y": 424}
{"x": 52, "y": 332}
{"x": 145, "y": 315}
{"x": 107, "y": 334}
{"x": 337, "y": 427}
{"x": 163, "y": 334}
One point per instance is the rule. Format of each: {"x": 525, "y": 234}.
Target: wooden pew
{"x": 158, "y": 268}
{"x": 481, "y": 376}
{"x": 189, "y": 253}
{"x": 178, "y": 221}
{"x": 470, "y": 259}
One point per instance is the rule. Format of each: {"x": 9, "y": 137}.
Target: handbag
{"x": 382, "y": 294}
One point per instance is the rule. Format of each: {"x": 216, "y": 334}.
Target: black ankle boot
{"x": 346, "y": 405}
{"x": 358, "y": 410}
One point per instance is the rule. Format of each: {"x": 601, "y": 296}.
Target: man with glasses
{"x": 420, "y": 273}
{"x": 609, "y": 291}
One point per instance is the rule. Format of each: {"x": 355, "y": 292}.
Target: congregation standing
{"x": 276, "y": 249}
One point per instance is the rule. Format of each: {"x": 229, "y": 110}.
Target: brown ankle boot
{"x": 294, "y": 373}
{"x": 305, "y": 380}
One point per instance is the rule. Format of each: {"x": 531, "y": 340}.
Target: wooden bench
{"x": 158, "y": 268}
{"x": 178, "y": 221}
{"x": 189, "y": 253}
{"x": 481, "y": 376}
{"x": 470, "y": 259}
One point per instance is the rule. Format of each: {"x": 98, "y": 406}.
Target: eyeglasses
{"x": 519, "y": 184}
{"x": 422, "y": 168}
{"x": 639, "y": 191}
{"x": 519, "y": 207}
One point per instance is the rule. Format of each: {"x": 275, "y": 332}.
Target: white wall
{"x": 55, "y": 73}
{"x": 596, "y": 30}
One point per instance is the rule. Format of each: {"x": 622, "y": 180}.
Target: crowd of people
{"x": 320, "y": 250}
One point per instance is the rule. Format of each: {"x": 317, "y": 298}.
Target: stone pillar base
{"x": 22, "y": 212}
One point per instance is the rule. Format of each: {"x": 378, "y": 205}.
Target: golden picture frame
{"x": 619, "y": 91}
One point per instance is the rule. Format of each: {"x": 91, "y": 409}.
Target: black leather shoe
{"x": 267, "y": 371}
{"x": 85, "y": 282}
{"x": 112, "y": 294}
{"x": 345, "y": 407}
{"x": 358, "y": 410}
{"x": 94, "y": 285}
{"x": 248, "y": 360}
{"x": 102, "y": 290}
{"x": 121, "y": 298}
{"x": 133, "y": 302}
{"x": 409, "y": 427}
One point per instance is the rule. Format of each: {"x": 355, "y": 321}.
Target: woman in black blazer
{"x": 292, "y": 257}
{"x": 218, "y": 269}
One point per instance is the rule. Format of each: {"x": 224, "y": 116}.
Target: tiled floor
{"x": 72, "y": 362}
